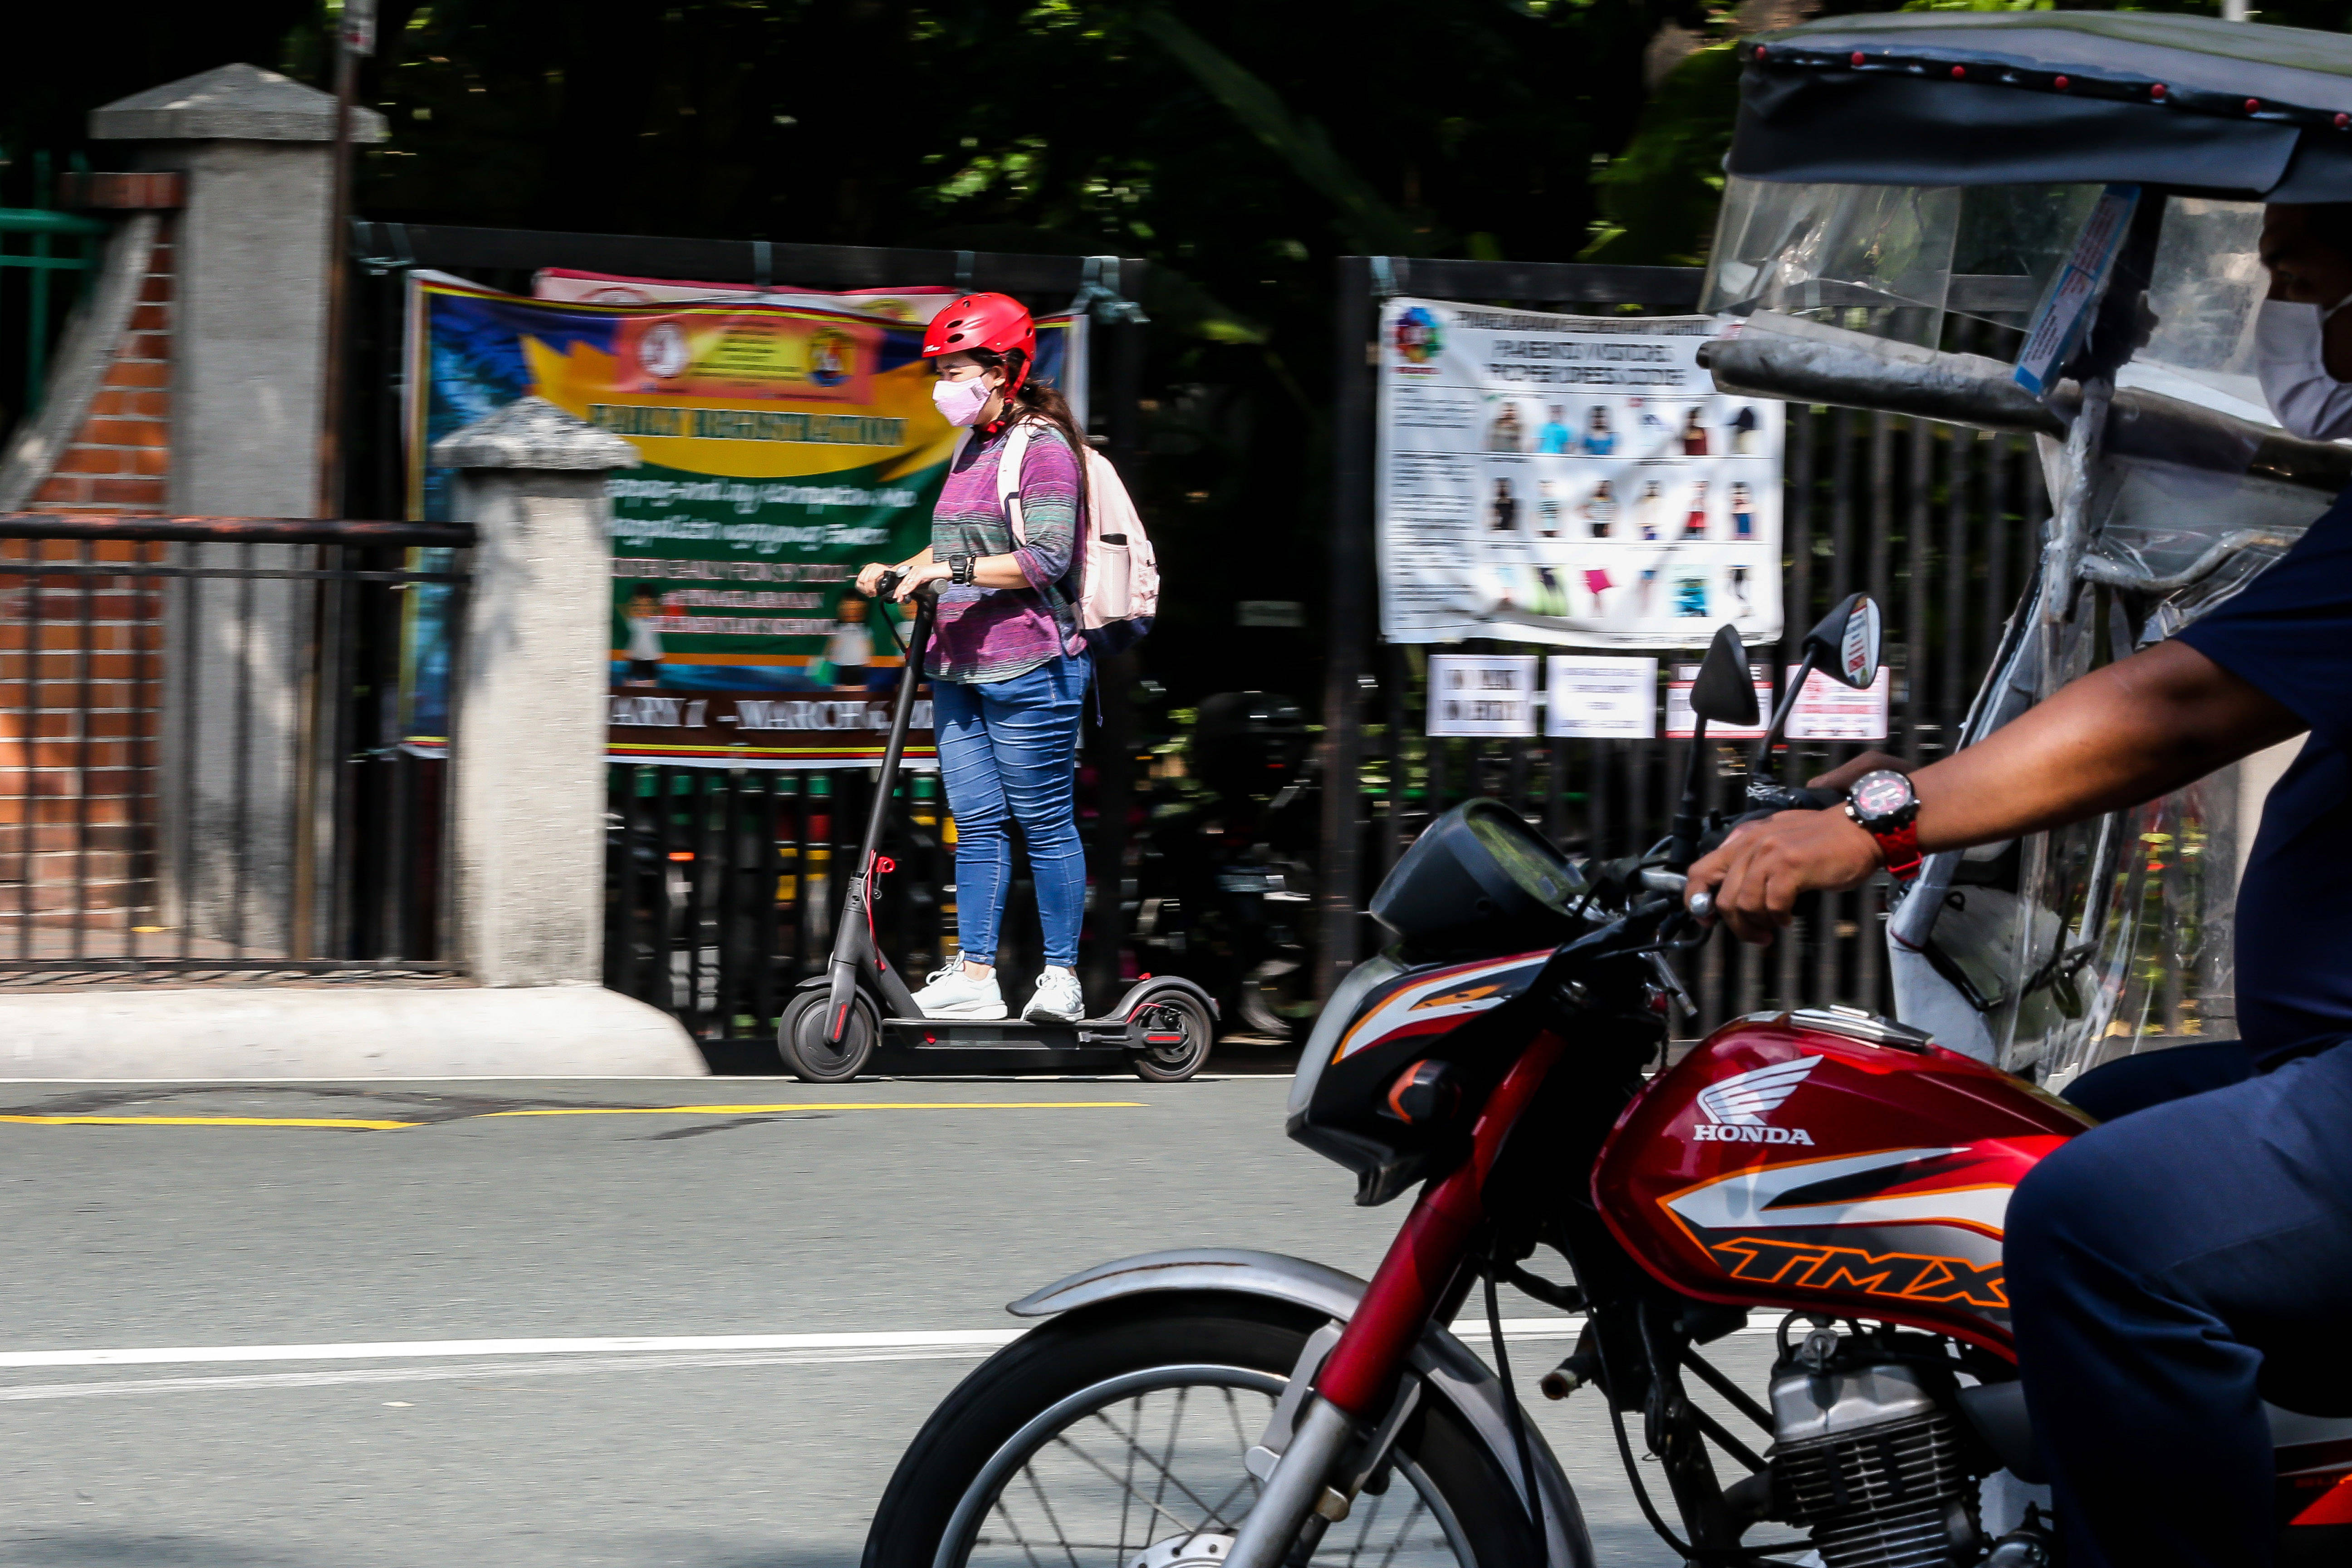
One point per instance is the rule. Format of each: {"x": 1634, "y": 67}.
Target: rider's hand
{"x": 869, "y": 578}
{"x": 929, "y": 572}
{"x": 1840, "y": 778}
{"x": 1757, "y": 872}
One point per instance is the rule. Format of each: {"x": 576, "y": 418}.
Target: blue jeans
{"x": 1009, "y": 751}
{"x": 2168, "y": 1270}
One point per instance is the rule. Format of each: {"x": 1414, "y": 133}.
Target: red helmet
{"x": 997, "y": 323}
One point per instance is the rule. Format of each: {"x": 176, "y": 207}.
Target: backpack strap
{"x": 1008, "y": 479}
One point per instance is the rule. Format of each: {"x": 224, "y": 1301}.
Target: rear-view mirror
{"x": 1847, "y": 642}
{"x": 1722, "y": 693}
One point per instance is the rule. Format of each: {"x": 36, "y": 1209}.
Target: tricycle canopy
{"x": 1937, "y": 98}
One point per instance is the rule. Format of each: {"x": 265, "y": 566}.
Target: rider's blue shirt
{"x": 2289, "y": 632}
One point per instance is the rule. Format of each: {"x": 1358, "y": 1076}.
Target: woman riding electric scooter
{"x": 1008, "y": 663}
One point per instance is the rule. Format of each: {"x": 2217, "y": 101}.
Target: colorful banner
{"x": 784, "y": 445}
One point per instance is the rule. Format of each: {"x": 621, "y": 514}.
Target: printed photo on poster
{"x": 1570, "y": 479}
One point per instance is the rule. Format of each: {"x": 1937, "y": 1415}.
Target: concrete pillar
{"x": 527, "y": 732}
{"x": 250, "y": 331}
{"x": 246, "y": 369}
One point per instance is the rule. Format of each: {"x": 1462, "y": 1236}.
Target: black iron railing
{"x": 208, "y": 759}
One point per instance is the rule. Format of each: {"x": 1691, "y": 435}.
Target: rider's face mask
{"x": 2288, "y": 349}
{"x": 959, "y": 402}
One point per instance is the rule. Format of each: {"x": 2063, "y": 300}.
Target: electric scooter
{"x": 838, "y": 1023}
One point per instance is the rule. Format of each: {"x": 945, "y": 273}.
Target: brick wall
{"x": 81, "y": 667}
{"x": 80, "y": 674}
{"x": 121, "y": 459}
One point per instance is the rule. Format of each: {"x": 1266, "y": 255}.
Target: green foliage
{"x": 1658, "y": 196}
{"x": 1238, "y": 146}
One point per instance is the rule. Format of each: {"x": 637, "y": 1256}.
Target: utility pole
{"x": 355, "y": 36}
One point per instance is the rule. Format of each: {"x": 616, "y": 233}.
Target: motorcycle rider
{"x": 2173, "y": 1265}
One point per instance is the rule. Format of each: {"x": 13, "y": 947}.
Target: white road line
{"x": 486, "y": 1370}
{"x": 950, "y": 1340}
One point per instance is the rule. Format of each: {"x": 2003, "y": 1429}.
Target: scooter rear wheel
{"x": 801, "y": 1040}
{"x": 1173, "y": 1061}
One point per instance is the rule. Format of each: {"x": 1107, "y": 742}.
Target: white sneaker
{"x": 953, "y": 993}
{"x": 1056, "y": 1000}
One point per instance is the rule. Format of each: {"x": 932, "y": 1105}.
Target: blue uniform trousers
{"x": 2169, "y": 1270}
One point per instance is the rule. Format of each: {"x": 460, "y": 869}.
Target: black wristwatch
{"x": 960, "y": 569}
{"x": 1883, "y": 804}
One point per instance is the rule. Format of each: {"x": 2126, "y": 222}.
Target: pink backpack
{"x": 1118, "y": 576}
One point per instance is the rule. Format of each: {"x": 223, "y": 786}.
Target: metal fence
{"x": 201, "y": 761}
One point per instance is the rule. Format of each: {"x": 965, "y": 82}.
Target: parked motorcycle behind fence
{"x": 1226, "y": 883}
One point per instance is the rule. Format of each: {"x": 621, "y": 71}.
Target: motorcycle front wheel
{"x": 1115, "y": 1437}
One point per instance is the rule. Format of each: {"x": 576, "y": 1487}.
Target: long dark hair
{"x": 1039, "y": 399}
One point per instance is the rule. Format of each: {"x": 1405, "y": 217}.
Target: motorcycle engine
{"x": 1868, "y": 1457}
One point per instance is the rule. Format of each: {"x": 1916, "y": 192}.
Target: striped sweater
{"x": 994, "y": 634}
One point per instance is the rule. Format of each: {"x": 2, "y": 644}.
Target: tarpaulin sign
{"x": 1570, "y": 479}
{"x": 784, "y": 445}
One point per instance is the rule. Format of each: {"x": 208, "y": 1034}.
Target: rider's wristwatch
{"x": 960, "y": 570}
{"x": 1882, "y": 805}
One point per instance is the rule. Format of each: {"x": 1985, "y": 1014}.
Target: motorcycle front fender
{"x": 1445, "y": 1366}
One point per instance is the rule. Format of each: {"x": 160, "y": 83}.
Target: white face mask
{"x": 959, "y": 402}
{"x": 2288, "y": 349}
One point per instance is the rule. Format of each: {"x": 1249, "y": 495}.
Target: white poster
{"x": 1829, "y": 710}
{"x": 1680, "y": 721}
{"x": 1482, "y": 694}
{"x": 1570, "y": 479}
{"x": 1596, "y": 699}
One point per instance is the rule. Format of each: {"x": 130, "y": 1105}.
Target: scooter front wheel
{"x": 1120, "y": 1436}
{"x": 801, "y": 1040}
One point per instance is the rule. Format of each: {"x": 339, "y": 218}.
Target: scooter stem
{"x": 853, "y": 948}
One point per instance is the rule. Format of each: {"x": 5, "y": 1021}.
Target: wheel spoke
{"x": 1018, "y": 1538}
{"x": 1180, "y": 1473}
{"x": 1043, "y": 1502}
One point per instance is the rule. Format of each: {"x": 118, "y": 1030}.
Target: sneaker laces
{"x": 952, "y": 967}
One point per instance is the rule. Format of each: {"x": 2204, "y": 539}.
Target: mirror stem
{"x": 1762, "y": 755}
{"x": 1683, "y": 849}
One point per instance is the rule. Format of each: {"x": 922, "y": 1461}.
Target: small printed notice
{"x": 1829, "y": 710}
{"x": 2065, "y": 310}
{"x": 1597, "y": 699}
{"x": 1680, "y": 721}
{"x": 1482, "y": 694}
{"x": 1575, "y": 480}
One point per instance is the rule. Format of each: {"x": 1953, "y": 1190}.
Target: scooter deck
{"x": 1006, "y": 1035}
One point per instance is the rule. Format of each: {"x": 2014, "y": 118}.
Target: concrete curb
{"x": 341, "y": 1032}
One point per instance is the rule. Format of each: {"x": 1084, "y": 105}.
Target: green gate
{"x": 43, "y": 255}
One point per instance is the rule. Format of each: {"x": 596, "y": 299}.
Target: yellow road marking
{"x": 845, "y": 1105}
{"x": 212, "y": 1121}
{"x": 346, "y": 1125}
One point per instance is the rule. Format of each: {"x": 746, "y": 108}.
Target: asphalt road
{"x": 210, "y": 1220}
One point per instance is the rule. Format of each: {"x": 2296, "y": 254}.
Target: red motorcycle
{"x": 1198, "y": 1408}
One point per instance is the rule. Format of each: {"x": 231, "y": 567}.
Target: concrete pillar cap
{"x": 532, "y": 433}
{"x": 230, "y": 103}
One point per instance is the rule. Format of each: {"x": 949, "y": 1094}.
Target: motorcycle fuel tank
{"x": 1827, "y": 1161}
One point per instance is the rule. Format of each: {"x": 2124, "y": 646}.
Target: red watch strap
{"x": 1899, "y": 848}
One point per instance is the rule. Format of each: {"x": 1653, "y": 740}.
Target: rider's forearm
{"x": 999, "y": 572}
{"x": 2127, "y": 733}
